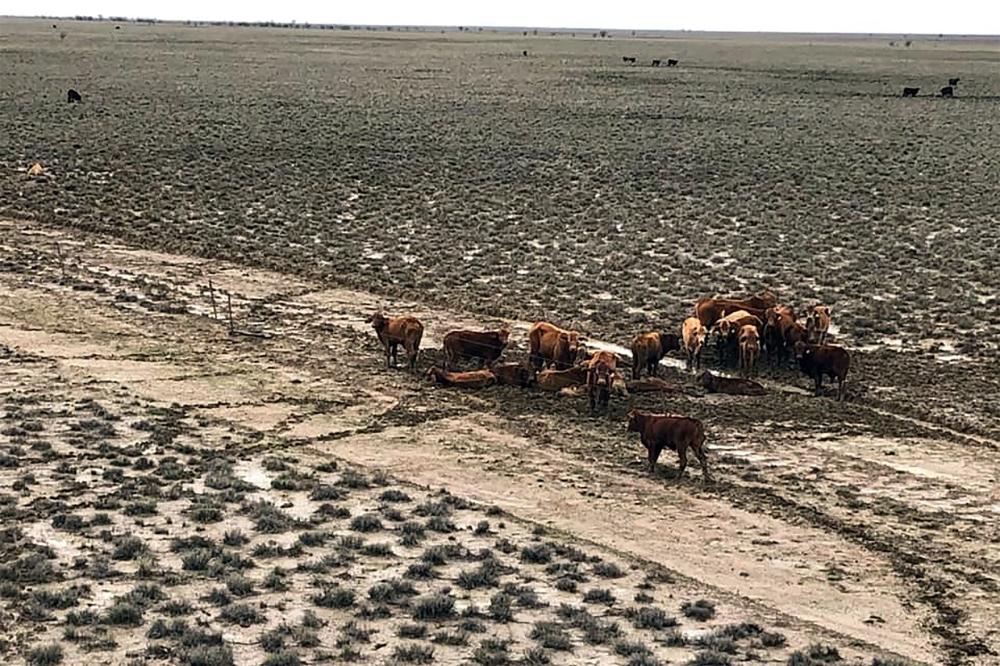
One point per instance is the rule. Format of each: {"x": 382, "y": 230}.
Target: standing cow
{"x": 694, "y": 335}
{"x": 395, "y": 331}
{"x": 817, "y": 361}
{"x": 600, "y": 377}
{"x": 649, "y": 348}
{"x": 486, "y": 347}
{"x": 678, "y": 433}
{"x": 749, "y": 341}
{"x": 818, "y": 324}
{"x": 550, "y": 345}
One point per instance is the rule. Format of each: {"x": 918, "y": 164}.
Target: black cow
{"x": 671, "y": 62}
{"x": 910, "y": 92}
{"x": 628, "y": 59}
{"x": 947, "y": 91}
{"x": 954, "y": 81}
{"x": 656, "y": 63}
{"x": 73, "y": 97}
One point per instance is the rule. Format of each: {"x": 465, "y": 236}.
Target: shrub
{"x": 333, "y": 596}
{"x": 608, "y": 570}
{"x": 128, "y": 548}
{"x": 124, "y": 613}
{"x": 412, "y": 631}
{"x": 394, "y": 495}
{"x": 244, "y": 615}
{"x": 434, "y": 607}
{"x": 631, "y": 648}
{"x": 536, "y": 554}
{"x": 700, "y": 610}
{"x": 45, "y": 655}
{"x": 501, "y": 607}
{"x": 598, "y": 596}
{"x": 551, "y": 635}
{"x": 282, "y": 658}
{"x": 414, "y": 654}
{"x": 367, "y": 522}
{"x": 649, "y": 617}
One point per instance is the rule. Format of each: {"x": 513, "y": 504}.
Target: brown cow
{"x": 694, "y": 334}
{"x": 600, "y": 376}
{"x": 649, "y": 348}
{"x": 818, "y": 360}
{"x": 475, "y": 379}
{"x": 484, "y": 346}
{"x": 677, "y": 433}
{"x": 555, "y": 380}
{"x": 749, "y": 349}
{"x": 730, "y": 385}
{"x": 778, "y": 322}
{"x": 818, "y": 324}
{"x": 650, "y": 385}
{"x": 514, "y": 374}
{"x": 550, "y": 345}
{"x": 710, "y": 310}
{"x": 395, "y": 331}
{"x": 727, "y": 333}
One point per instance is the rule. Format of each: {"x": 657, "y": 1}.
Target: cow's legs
{"x": 840, "y": 390}
{"x": 412, "y": 355}
{"x": 394, "y": 350}
{"x": 819, "y": 382}
{"x": 700, "y": 453}
{"x": 683, "y": 460}
{"x": 388, "y": 356}
{"x": 654, "y": 453}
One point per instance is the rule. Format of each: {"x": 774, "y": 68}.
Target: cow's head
{"x": 635, "y": 419}
{"x": 378, "y": 321}
{"x": 699, "y": 337}
{"x": 669, "y": 342}
{"x": 802, "y": 350}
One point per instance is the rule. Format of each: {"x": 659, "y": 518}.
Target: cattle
{"x": 628, "y": 59}
{"x": 693, "y": 334}
{"x": 910, "y": 92}
{"x": 947, "y": 91}
{"x": 677, "y": 433}
{"x": 555, "y": 380}
{"x": 727, "y": 331}
{"x": 486, "y": 347}
{"x": 649, "y": 348}
{"x": 600, "y": 376}
{"x": 395, "y": 331}
{"x": 778, "y": 322}
{"x": 710, "y": 310}
{"x": 524, "y": 53}
{"x": 73, "y": 97}
{"x": 749, "y": 340}
{"x": 817, "y": 361}
{"x": 671, "y": 62}
{"x": 650, "y": 385}
{"x": 730, "y": 385}
{"x": 514, "y": 374}
{"x": 36, "y": 170}
{"x": 818, "y": 324}
{"x": 550, "y": 345}
{"x": 954, "y": 81}
{"x": 476, "y": 379}
{"x": 655, "y": 63}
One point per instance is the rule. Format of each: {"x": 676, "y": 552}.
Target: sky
{"x": 861, "y": 16}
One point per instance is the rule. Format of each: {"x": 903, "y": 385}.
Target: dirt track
{"x": 845, "y": 523}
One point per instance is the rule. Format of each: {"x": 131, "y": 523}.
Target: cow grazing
{"x": 73, "y": 97}
{"x": 514, "y": 374}
{"x": 628, "y": 60}
{"x": 671, "y": 62}
{"x": 947, "y": 91}
{"x": 817, "y": 361}
{"x": 550, "y": 345}
{"x": 677, "y": 433}
{"x": 730, "y": 385}
{"x": 395, "y": 331}
{"x": 600, "y": 377}
{"x": 818, "y": 324}
{"x": 655, "y": 63}
{"x": 475, "y": 379}
{"x": 649, "y": 348}
{"x": 710, "y": 310}
{"x": 556, "y": 380}
{"x": 694, "y": 335}
{"x": 486, "y": 347}
{"x": 954, "y": 82}
{"x": 749, "y": 340}
{"x": 910, "y": 92}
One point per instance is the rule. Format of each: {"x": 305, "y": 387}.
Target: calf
{"x": 514, "y": 374}
{"x": 649, "y": 348}
{"x": 954, "y": 82}
{"x": 476, "y": 379}
{"x": 484, "y": 346}
{"x": 910, "y": 92}
{"x": 556, "y": 380}
{"x": 947, "y": 91}
{"x": 600, "y": 376}
{"x": 694, "y": 334}
{"x": 395, "y": 331}
{"x": 678, "y": 433}
{"x": 818, "y": 324}
{"x": 73, "y": 97}
{"x": 818, "y": 360}
{"x": 749, "y": 349}
{"x": 550, "y": 345}
{"x": 730, "y": 385}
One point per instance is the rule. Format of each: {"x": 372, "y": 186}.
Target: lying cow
{"x": 550, "y": 345}
{"x": 649, "y": 348}
{"x": 650, "y": 385}
{"x": 749, "y": 341}
{"x": 514, "y": 374}
{"x": 475, "y": 379}
{"x": 395, "y": 331}
{"x": 818, "y": 360}
{"x": 710, "y": 310}
{"x": 730, "y": 385}
{"x": 694, "y": 334}
{"x": 818, "y": 324}
{"x": 600, "y": 376}
{"x": 486, "y": 347}
{"x": 556, "y": 380}
{"x": 677, "y": 433}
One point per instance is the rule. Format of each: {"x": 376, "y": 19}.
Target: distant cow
{"x": 910, "y": 92}
{"x": 671, "y": 62}
{"x": 650, "y": 385}
{"x": 727, "y": 332}
{"x": 749, "y": 341}
{"x": 954, "y": 81}
{"x": 556, "y": 380}
{"x": 710, "y": 310}
{"x": 484, "y": 346}
{"x": 694, "y": 335}
{"x": 395, "y": 331}
{"x": 730, "y": 385}
{"x": 778, "y": 322}
{"x": 818, "y": 324}
{"x": 514, "y": 374}
{"x": 600, "y": 376}
{"x": 628, "y": 59}
{"x": 550, "y": 345}
{"x": 947, "y": 91}
{"x": 649, "y": 348}
{"x": 475, "y": 379}
{"x": 656, "y": 63}
{"x": 73, "y": 97}
{"x": 817, "y": 361}
{"x": 524, "y": 53}
{"x": 677, "y": 433}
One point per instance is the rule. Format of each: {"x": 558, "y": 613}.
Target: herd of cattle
{"x": 744, "y": 330}
{"x": 671, "y": 62}
{"x": 947, "y": 91}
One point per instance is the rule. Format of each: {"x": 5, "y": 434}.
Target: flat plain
{"x": 173, "y": 493}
